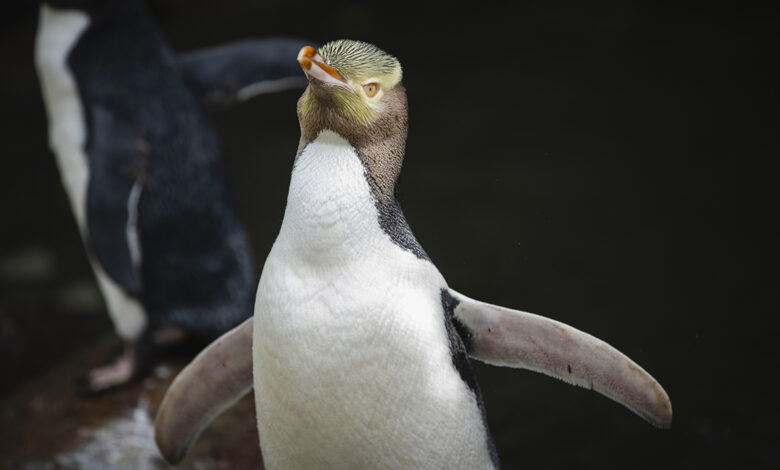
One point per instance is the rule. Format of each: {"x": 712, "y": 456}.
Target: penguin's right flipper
{"x": 238, "y": 71}
{"x": 117, "y": 166}
{"x": 215, "y": 380}
{"x": 505, "y": 337}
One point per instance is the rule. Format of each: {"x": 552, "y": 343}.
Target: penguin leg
{"x": 134, "y": 363}
{"x": 505, "y": 337}
{"x": 118, "y": 372}
{"x": 215, "y": 380}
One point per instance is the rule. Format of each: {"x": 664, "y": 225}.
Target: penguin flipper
{"x": 215, "y": 380}
{"x": 505, "y": 337}
{"x": 241, "y": 70}
{"x": 117, "y": 166}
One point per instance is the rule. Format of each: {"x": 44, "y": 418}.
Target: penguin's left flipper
{"x": 215, "y": 380}
{"x": 238, "y": 71}
{"x": 505, "y": 337}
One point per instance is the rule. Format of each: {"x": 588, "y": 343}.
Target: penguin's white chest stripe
{"x": 352, "y": 363}
{"x": 58, "y": 33}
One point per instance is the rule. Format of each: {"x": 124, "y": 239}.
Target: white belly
{"x": 352, "y": 365}
{"x": 58, "y": 32}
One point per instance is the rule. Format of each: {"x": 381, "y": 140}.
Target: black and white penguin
{"x": 143, "y": 168}
{"x": 359, "y": 348}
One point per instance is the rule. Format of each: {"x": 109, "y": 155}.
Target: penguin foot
{"x": 136, "y": 360}
{"x": 123, "y": 370}
{"x": 112, "y": 375}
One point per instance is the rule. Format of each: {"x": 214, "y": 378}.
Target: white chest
{"x": 351, "y": 357}
{"x": 58, "y": 33}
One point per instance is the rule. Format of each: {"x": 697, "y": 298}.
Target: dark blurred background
{"x": 607, "y": 165}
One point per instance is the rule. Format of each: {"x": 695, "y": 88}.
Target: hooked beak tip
{"x": 305, "y": 56}
{"x": 315, "y": 67}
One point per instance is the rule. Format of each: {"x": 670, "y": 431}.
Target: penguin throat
{"x": 380, "y": 145}
{"x": 330, "y": 176}
{"x": 342, "y": 103}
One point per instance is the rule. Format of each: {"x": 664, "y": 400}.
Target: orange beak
{"x": 314, "y": 66}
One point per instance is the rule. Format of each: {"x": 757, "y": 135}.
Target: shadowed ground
{"x": 45, "y": 426}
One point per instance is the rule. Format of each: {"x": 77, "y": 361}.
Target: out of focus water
{"x": 607, "y": 166}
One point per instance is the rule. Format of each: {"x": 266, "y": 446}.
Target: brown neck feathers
{"x": 381, "y": 144}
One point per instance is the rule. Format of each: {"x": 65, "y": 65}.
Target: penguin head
{"x": 355, "y": 91}
{"x": 356, "y": 80}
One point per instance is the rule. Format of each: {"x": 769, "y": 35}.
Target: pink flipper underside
{"x": 216, "y": 379}
{"x": 512, "y": 338}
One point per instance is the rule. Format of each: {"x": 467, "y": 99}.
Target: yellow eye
{"x": 371, "y": 89}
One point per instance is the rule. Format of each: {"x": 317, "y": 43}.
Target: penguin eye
{"x": 371, "y": 89}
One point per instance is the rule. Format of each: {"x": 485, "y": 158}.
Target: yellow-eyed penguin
{"x": 359, "y": 348}
{"x": 142, "y": 165}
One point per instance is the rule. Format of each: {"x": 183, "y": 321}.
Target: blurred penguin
{"x": 144, "y": 172}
